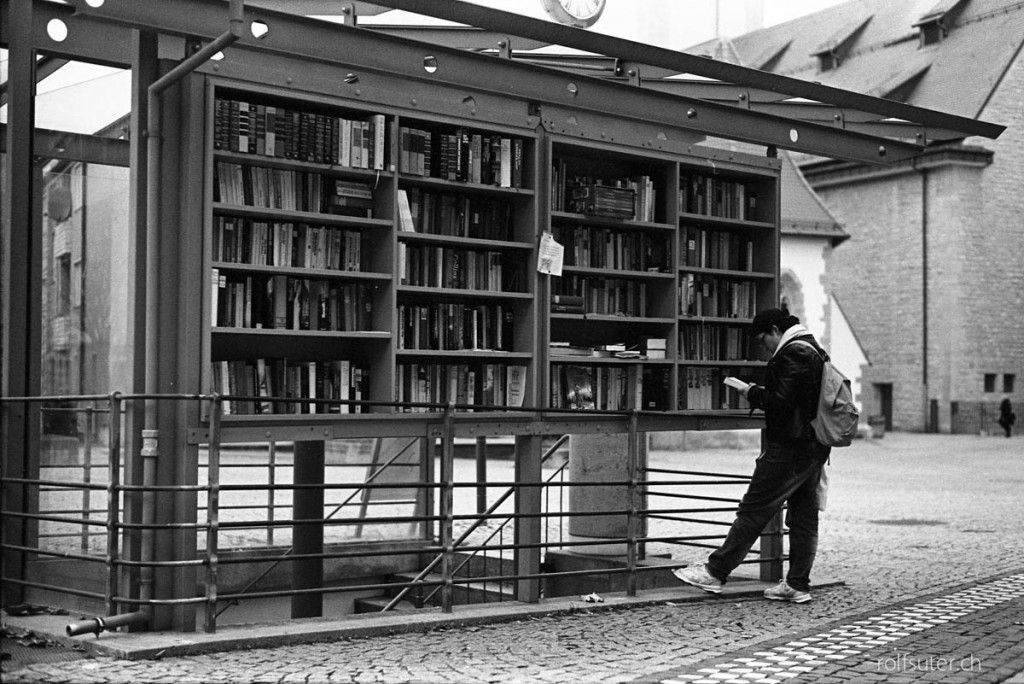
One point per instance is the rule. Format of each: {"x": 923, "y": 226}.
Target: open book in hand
{"x": 736, "y": 382}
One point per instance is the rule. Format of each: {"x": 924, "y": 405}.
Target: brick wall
{"x": 975, "y": 241}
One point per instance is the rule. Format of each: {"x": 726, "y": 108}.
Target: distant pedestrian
{"x": 790, "y": 467}
{"x": 1006, "y": 416}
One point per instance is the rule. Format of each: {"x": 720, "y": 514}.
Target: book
{"x": 736, "y": 382}
{"x": 579, "y": 387}
{"x": 515, "y": 383}
{"x": 405, "y": 222}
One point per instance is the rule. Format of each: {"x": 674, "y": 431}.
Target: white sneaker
{"x": 784, "y": 592}
{"x": 698, "y": 576}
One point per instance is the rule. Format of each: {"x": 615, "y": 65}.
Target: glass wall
{"x": 81, "y": 189}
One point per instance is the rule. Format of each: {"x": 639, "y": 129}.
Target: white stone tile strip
{"x": 803, "y": 656}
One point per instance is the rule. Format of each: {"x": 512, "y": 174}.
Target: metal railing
{"x": 57, "y": 518}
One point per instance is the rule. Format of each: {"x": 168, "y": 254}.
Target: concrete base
{"x": 652, "y": 573}
{"x": 150, "y": 645}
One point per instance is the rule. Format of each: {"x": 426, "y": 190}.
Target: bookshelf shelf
{"x": 619, "y": 273}
{"x": 474, "y": 243}
{"x": 753, "y": 275}
{"x": 298, "y": 272}
{"x": 442, "y": 185}
{"x": 605, "y": 221}
{"x": 421, "y": 292}
{"x": 453, "y": 354}
{"x": 251, "y": 333}
{"x": 373, "y": 176}
{"x": 289, "y": 216}
{"x": 725, "y": 222}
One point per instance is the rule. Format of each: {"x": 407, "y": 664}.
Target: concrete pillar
{"x": 600, "y": 458}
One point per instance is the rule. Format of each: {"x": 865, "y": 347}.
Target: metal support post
{"x": 308, "y": 528}
{"x": 447, "y": 508}
{"x": 212, "y": 514}
{"x": 771, "y": 550}
{"x": 632, "y": 521}
{"x": 528, "y": 504}
{"x": 481, "y": 474}
{"x": 113, "y": 503}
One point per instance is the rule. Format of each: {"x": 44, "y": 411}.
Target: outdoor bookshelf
{"x": 362, "y": 253}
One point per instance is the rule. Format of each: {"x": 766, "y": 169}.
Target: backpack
{"x": 835, "y": 422}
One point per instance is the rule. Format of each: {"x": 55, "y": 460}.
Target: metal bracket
{"x": 505, "y": 47}
{"x": 352, "y": 18}
{"x": 630, "y": 70}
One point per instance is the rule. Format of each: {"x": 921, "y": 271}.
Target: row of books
{"x": 276, "y": 381}
{"x": 613, "y": 249}
{"x": 461, "y": 155}
{"x": 606, "y": 296}
{"x": 282, "y": 303}
{"x": 609, "y": 388}
{"x": 462, "y": 269}
{"x": 702, "y": 389}
{"x": 454, "y": 326}
{"x": 438, "y": 213}
{"x": 717, "y": 297}
{"x": 712, "y": 196}
{"x": 626, "y": 197}
{"x": 477, "y": 384}
{"x": 706, "y": 248}
{"x": 288, "y": 133}
{"x": 644, "y": 348}
{"x": 263, "y": 243}
{"x": 259, "y": 186}
{"x": 713, "y": 343}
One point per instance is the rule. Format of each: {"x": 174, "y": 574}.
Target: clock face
{"x": 578, "y": 13}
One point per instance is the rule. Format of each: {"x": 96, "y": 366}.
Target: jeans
{"x": 780, "y": 475}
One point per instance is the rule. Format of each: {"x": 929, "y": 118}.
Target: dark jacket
{"x": 789, "y": 397}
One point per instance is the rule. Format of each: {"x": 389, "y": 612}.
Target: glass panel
{"x": 81, "y": 188}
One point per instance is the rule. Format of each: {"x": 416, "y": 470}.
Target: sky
{"x": 675, "y": 24}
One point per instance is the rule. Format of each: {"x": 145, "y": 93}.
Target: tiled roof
{"x": 956, "y": 74}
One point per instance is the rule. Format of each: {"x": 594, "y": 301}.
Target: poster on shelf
{"x": 550, "y": 255}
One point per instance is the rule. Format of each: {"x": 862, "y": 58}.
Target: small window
{"x": 990, "y": 382}
{"x": 63, "y": 284}
{"x": 1008, "y": 379}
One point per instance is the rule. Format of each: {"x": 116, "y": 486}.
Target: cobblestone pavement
{"x": 912, "y": 520}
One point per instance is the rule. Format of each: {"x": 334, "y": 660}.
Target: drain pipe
{"x": 151, "y": 434}
{"x": 154, "y": 156}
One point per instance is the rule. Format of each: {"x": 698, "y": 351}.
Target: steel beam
{"x": 321, "y": 42}
{"x": 91, "y": 39}
{"x": 683, "y": 63}
{"x": 461, "y": 37}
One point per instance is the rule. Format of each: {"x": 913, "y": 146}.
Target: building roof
{"x": 946, "y": 55}
{"x": 803, "y": 214}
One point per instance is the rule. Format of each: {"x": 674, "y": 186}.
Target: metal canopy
{"x": 936, "y": 126}
{"x": 741, "y": 104}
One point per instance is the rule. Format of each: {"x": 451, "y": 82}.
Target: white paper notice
{"x": 549, "y": 256}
